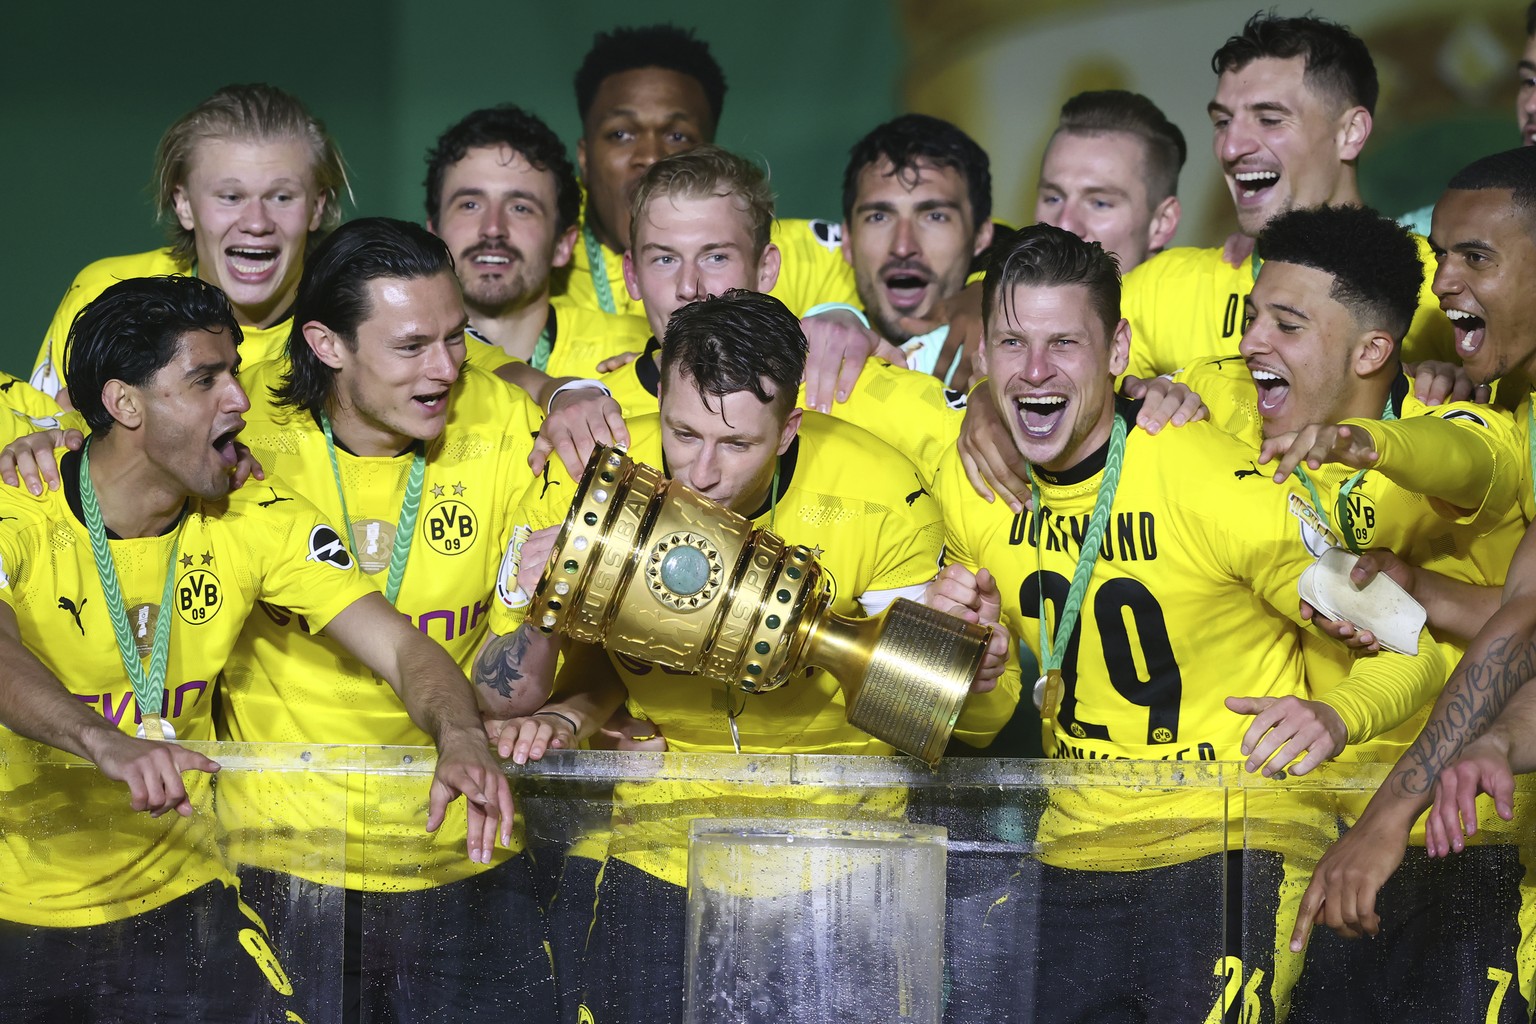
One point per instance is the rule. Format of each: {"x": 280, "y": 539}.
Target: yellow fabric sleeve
{"x": 1449, "y": 460}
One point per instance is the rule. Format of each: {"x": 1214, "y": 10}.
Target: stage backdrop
{"x": 87, "y": 88}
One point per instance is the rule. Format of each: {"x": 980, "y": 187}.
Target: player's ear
{"x": 1165, "y": 221}
{"x": 1374, "y": 352}
{"x": 564, "y": 246}
{"x": 983, "y": 239}
{"x": 324, "y": 343}
{"x": 1120, "y": 347}
{"x": 122, "y": 402}
{"x": 768, "y": 268}
{"x": 1354, "y": 129}
{"x": 631, "y": 279}
{"x": 183, "y": 207}
{"x": 791, "y": 428}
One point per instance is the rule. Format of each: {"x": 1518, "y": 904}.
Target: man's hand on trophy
{"x": 533, "y": 555}
{"x": 973, "y": 597}
{"x": 579, "y": 420}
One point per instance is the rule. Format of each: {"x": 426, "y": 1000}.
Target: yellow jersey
{"x": 50, "y": 371}
{"x": 811, "y": 271}
{"x": 228, "y": 556}
{"x": 1192, "y": 599}
{"x": 1186, "y": 304}
{"x": 844, "y": 493}
{"x": 288, "y": 685}
{"x": 912, "y": 412}
{"x": 578, "y": 339}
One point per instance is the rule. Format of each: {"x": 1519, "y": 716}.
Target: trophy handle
{"x": 904, "y": 673}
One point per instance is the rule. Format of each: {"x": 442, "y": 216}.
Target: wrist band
{"x": 575, "y": 385}
{"x": 564, "y": 718}
{"x": 828, "y": 307}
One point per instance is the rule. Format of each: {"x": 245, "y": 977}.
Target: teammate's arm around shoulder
{"x": 439, "y": 700}
{"x": 33, "y": 703}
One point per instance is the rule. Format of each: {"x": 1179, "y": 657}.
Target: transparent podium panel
{"x": 1456, "y": 933}
{"x": 304, "y": 882}
{"x": 109, "y": 914}
{"x": 814, "y": 921}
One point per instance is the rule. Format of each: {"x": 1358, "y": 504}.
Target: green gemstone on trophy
{"x": 685, "y": 570}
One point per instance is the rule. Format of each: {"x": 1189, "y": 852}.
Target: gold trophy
{"x": 648, "y": 568}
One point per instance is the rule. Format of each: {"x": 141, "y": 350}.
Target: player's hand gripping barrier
{"x": 648, "y": 568}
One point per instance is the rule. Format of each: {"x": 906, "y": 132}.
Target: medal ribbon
{"x": 597, "y": 266}
{"x": 1052, "y": 654}
{"x": 541, "y": 349}
{"x": 405, "y": 528}
{"x": 148, "y": 689}
{"x": 1341, "y": 506}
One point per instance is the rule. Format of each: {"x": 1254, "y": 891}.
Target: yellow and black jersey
{"x": 578, "y": 339}
{"x": 854, "y": 500}
{"x": 1459, "y": 441}
{"x": 229, "y": 556}
{"x": 287, "y": 685}
{"x": 30, "y": 411}
{"x": 1186, "y": 304}
{"x": 912, "y": 412}
{"x": 1193, "y": 599}
{"x": 811, "y": 271}
{"x": 50, "y": 372}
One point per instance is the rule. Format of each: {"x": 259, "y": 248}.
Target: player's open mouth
{"x": 1041, "y": 414}
{"x": 1251, "y": 184}
{"x": 225, "y": 446}
{"x": 492, "y": 258}
{"x": 1272, "y": 389}
{"x": 1470, "y": 330}
{"x": 434, "y": 403}
{"x": 249, "y": 263}
{"x": 906, "y": 289}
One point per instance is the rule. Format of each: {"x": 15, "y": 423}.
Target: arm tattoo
{"x": 1478, "y": 692}
{"x": 499, "y": 666}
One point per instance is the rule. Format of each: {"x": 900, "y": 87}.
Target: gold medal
{"x": 1048, "y": 694}
{"x": 153, "y": 727}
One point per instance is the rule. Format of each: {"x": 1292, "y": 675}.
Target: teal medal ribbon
{"x": 405, "y": 528}
{"x": 148, "y": 687}
{"x": 1048, "y": 686}
{"x": 1341, "y": 506}
{"x": 597, "y": 266}
{"x": 541, "y": 349}
{"x": 733, "y": 710}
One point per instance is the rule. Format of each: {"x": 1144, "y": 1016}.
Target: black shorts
{"x": 1160, "y": 944}
{"x": 632, "y": 970}
{"x": 459, "y": 950}
{"x": 1450, "y": 932}
{"x": 201, "y": 958}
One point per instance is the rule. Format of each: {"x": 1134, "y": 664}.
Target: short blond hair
{"x": 703, "y": 172}
{"x": 259, "y": 113}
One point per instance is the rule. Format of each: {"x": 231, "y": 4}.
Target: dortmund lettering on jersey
{"x": 1193, "y": 599}
{"x": 1186, "y": 304}
{"x": 912, "y": 412}
{"x": 232, "y": 554}
{"x": 579, "y": 339}
{"x": 288, "y": 685}
{"x": 49, "y": 372}
{"x": 811, "y": 271}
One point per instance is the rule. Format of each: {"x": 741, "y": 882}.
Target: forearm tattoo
{"x": 1478, "y": 693}
{"x": 499, "y": 667}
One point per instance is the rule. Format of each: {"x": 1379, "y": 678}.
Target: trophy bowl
{"x": 650, "y": 569}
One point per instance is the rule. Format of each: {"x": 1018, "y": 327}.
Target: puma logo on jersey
{"x": 273, "y": 500}
{"x": 548, "y": 483}
{"x": 66, "y": 605}
{"x": 1238, "y": 474}
{"x": 921, "y": 490}
{"x": 7, "y": 385}
{"x": 1216, "y": 363}
{"x": 325, "y": 546}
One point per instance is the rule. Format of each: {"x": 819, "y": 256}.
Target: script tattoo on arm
{"x": 1473, "y": 699}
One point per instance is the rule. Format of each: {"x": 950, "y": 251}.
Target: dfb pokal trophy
{"x": 648, "y": 568}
